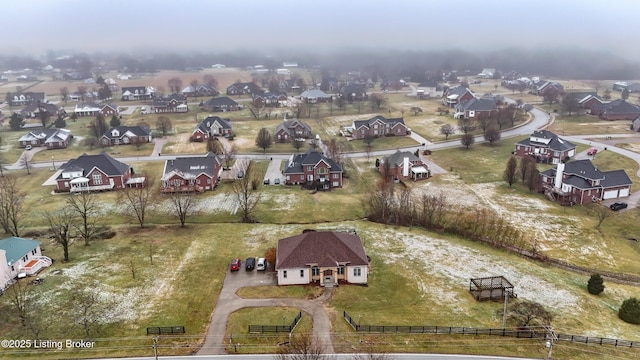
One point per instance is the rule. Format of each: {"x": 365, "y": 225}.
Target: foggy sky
{"x": 35, "y": 26}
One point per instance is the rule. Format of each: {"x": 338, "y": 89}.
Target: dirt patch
{"x": 180, "y": 144}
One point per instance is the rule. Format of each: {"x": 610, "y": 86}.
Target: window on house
{"x": 208, "y": 181}
{"x": 284, "y": 274}
{"x": 322, "y": 170}
{"x": 341, "y": 270}
{"x": 301, "y": 273}
{"x": 33, "y": 252}
{"x": 315, "y": 271}
{"x": 309, "y": 168}
{"x": 336, "y": 176}
{"x": 357, "y": 272}
{"x": 97, "y": 179}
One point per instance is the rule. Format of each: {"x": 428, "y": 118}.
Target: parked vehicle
{"x": 592, "y": 151}
{"x": 235, "y": 265}
{"x": 276, "y": 181}
{"x": 266, "y": 181}
{"x": 28, "y": 147}
{"x": 250, "y": 264}
{"x": 240, "y": 174}
{"x": 261, "y": 265}
{"x": 618, "y": 206}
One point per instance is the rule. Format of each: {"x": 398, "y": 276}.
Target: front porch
{"x": 35, "y": 265}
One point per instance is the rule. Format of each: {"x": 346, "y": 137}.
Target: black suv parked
{"x": 249, "y": 264}
{"x": 618, "y": 206}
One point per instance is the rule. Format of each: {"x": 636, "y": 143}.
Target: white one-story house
{"x": 20, "y": 256}
{"x": 323, "y": 257}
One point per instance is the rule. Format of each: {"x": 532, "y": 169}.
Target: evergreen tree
{"x": 630, "y": 311}
{"x": 16, "y": 121}
{"x": 115, "y": 121}
{"x": 595, "y": 285}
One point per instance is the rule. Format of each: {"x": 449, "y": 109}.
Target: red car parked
{"x": 235, "y": 265}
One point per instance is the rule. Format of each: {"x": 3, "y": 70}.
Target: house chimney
{"x": 559, "y": 171}
{"x": 405, "y": 166}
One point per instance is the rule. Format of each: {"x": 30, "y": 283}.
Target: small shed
{"x": 493, "y": 288}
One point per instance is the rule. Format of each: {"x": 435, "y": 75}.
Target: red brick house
{"x": 171, "y": 104}
{"x": 618, "y": 110}
{"x": 33, "y": 110}
{"x": 288, "y": 130}
{"x": 221, "y": 104}
{"x": 313, "y": 170}
{"x": 590, "y": 102}
{"x": 456, "y": 95}
{"x": 403, "y": 166}
{"x": 546, "y": 147}
{"x": 126, "y": 135}
{"x": 269, "y": 100}
{"x": 191, "y": 174}
{"x": 212, "y": 126}
{"x": 95, "y": 173}
{"x": 579, "y": 182}
{"x": 243, "y": 88}
{"x": 379, "y": 126}
{"x": 93, "y": 109}
{"x": 326, "y": 258}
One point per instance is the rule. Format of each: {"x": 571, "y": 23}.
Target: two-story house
{"x": 379, "y": 126}
{"x": 212, "y": 126}
{"x": 95, "y": 173}
{"x": 456, "y": 95}
{"x": 173, "y": 103}
{"x": 288, "y": 130}
{"x": 126, "y": 135}
{"x": 313, "y": 170}
{"x": 221, "y": 104}
{"x": 191, "y": 174}
{"x": 133, "y": 93}
{"x": 546, "y": 147}
{"x": 403, "y": 165}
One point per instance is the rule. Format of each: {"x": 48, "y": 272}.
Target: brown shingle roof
{"x": 325, "y": 248}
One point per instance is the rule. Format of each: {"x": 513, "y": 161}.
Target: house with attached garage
{"x": 133, "y": 93}
{"x": 194, "y": 174}
{"x": 221, "y": 104}
{"x": 313, "y": 170}
{"x": 326, "y": 258}
{"x": 404, "y": 165}
{"x": 20, "y": 257}
{"x": 33, "y": 110}
{"x": 126, "y": 135}
{"x": 545, "y": 147}
{"x": 379, "y": 126}
{"x": 455, "y": 95}
{"x": 50, "y": 138}
{"x": 93, "y": 109}
{"x": 173, "y": 103}
{"x": 28, "y": 97}
{"x": 580, "y": 182}
{"x": 96, "y": 173}
{"x": 288, "y": 130}
{"x": 619, "y": 109}
{"x": 475, "y": 107}
{"x": 212, "y": 126}
{"x": 269, "y": 100}
{"x": 313, "y": 96}
{"x": 243, "y": 88}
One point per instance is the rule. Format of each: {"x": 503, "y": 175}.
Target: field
{"x": 164, "y": 275}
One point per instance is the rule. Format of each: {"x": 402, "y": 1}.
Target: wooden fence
{"x": 537, "y": 333}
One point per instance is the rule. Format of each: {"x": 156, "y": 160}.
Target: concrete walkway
{"x": 228, "y": 302}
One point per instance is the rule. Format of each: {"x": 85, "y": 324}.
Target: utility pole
{"x": 504, "y": 310}
{"x": 155, "y": 347}
{"x": 551, "y": 337}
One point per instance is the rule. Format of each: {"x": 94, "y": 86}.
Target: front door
{"x": 327, "y": 277}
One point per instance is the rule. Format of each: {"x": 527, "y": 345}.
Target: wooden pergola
{"x": 493, "y": 288}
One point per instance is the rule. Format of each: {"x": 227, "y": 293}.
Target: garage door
{"x": 611, "y": 194}
{"x": 624, "y": 193}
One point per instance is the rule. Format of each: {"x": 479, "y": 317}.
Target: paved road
{"x": 229, "y": 302}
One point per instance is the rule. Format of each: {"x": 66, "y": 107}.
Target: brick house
{"x": 579, "y": 182}
{"x": 474, "y": 107}
{"x": 618, "y": 109}
{"x": 379, "y": 126}
{"x": 191, "y": 174}
{"x": 93, "y": 109}
{"x": 95, "y": 173}
{"x": 33, "y": 110}
{"x": 455, "y": 95}
{"x": 134, "y": 93}
{"x": 212, "y": 126}
{"x": 173, "y": 103}
{"x": 28, "y": 97}
{"x": 243, "y": 88}
{"x": 269, "y": 100}
{"x": 313, "y": 170}
{"x": 50, "y": 138}
{"x": 404, "y": 165}
{"x": 288, "y": 130}
{"x": 546, "y": 147}
{"x": 221, "y": 104}
{"x": 126, "y": 135}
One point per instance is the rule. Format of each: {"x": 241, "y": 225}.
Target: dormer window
{"x": 115, "y": 133}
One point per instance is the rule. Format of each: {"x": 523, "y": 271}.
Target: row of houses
{"x": 52, "y": 138}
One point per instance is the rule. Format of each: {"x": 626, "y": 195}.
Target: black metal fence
{"x": 519, "y": 333}
{"x": 168, "y": 330}
{"x": 276, "y": 328}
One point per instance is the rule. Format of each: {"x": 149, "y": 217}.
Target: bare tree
{"x": 600, "y": 212}
{"x": 89, "y": 309}
{"x": 377, "y": 100}
{"x": 60, "y": 223}
{"x": 467, "y": 140}
{"x": 175, "y": 85}
{"x": 64, "y": 94}
{"x": 85, "y": 207}
{"x": 11, "y": 201}
{"x": 525, "y": 313}
{"x": 25, "y": 163}
{"x": 492, "y": 134}
{"x": 509, "y": 174}
{"x": 210, "y": 80}
{"x": 163, "y": 124}
{"x": 137, "y": 200}
{"x": 368, "y": 145}
{"x": 263, "y": 140}
{"x": 466, "y": 125}
{"x": 246, "y": 194}
{"x": 183, "y": 204}
{"x": 335, "y": 150}
{"x": 99, "y": 126}
{"x": 533, "y": 176}
{"x": 297, "y": 144}
{"x": 229, "y": 155}
{"x": 446, "y": 130}
{"x": 416, "y": 110}
{"x": 19, "y": 299}
{"x": 214, "y": 145}
{"x": 302, "y": 347}
{"x": 371, "y": 348}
